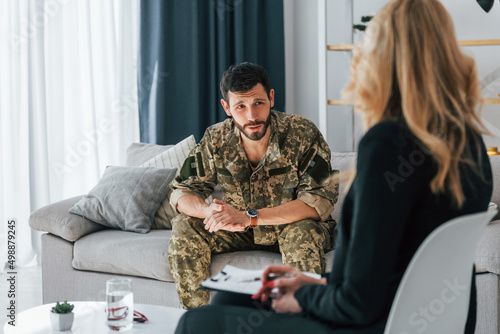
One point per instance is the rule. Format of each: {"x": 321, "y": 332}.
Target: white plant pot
{"x": 61, "y": 322}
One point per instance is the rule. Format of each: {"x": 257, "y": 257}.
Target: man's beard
{"x": 255, "y": 135}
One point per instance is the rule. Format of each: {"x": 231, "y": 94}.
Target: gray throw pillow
{"x": 55, "y": 218}
{"x": 126, "y": 197}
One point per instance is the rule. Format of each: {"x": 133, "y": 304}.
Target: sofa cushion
{"x": 138, "y": 153}
{"x": 342, "y": 162}
{"x": 125, "y": 253}
{"x": 487, "y": 258}
{"x": 126, "y": 197}
{"x": 495, "y": 168}
{"x": 254, "y": 260}
{"x": 173, "y": 157}
{"x": 56, "y": 219}
{"x": 146, "y": 255}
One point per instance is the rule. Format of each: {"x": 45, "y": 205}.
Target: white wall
{"x": 302, "y": 54}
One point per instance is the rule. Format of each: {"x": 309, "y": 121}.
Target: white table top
{"x": 90, "y": 317}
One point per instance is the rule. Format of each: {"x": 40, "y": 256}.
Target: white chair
{"x": 434, "y": 293}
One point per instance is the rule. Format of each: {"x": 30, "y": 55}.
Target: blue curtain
{"x": 186, "y": 45}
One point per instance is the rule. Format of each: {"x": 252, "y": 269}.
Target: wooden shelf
{"x": 482, "y": 42}
{"x": 338, "y": 103}
{"x": 344, "y": 103}
{"x": 349, "y": 47}
{"x": 340, "y": 47}
{"x": 491, "y": 101}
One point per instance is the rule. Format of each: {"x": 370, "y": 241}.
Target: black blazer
{"x": 387, "y": 213}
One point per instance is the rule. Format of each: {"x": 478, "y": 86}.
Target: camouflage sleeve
{"x": 197, "y": 175}
{"x": 317, "y": 187}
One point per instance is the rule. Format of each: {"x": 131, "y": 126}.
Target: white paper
{"x": 238, "y": 280}
{"x": 235, "y": 279}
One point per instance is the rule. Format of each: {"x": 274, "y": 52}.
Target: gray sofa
{"x": 78, "y": 256}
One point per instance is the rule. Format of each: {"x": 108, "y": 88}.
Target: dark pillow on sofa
{"x": 126, "y": 197}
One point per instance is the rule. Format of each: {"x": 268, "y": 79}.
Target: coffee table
{"x": 90, "y": 317}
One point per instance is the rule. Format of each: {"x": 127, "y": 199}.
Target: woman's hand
{"x": 290, "y": 280}
{"x": 286, "y": 304}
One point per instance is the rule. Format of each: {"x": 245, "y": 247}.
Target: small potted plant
{"x": 61, "y": 316}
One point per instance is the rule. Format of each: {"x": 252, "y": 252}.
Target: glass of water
{"x": 120, "y": 303}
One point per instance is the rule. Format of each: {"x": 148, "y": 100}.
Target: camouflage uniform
{"x": 296, "y": 165}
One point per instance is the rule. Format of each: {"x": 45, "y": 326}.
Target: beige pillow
{"x": 137, "y": 153}
{"x": 173, "y": 157}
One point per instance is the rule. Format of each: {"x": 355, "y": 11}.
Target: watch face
{"x": 252, "y": 213}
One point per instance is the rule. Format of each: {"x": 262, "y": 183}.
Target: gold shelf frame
{"x": 481, "y": 42}
{"x": 343, "y": 103}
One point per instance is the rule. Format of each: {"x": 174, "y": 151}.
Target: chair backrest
{"x": 434, "y": 293}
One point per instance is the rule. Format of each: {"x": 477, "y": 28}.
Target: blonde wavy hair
{"x": 410, "y": 68}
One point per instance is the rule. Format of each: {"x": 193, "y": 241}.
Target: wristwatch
{"x": 253, "y": 214}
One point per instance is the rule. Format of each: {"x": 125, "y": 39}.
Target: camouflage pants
{"x": 302, "y": 244}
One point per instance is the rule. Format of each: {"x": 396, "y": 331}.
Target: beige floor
{"x": 28, "y": 291}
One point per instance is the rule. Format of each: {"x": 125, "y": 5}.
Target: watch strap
{"x": 253, "y": 222}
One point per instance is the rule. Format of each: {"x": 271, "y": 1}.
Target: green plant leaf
{"x": 63, "y": 308}
{"x": 365, "y": 19}
{"x": 361, "y": 27}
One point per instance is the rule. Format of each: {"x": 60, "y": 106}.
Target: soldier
{"x": 275, "y": 171}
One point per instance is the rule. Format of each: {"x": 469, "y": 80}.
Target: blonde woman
{"x": 421, "y": 162}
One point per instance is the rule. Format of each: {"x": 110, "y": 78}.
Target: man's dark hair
{"x": 243, "y": 77}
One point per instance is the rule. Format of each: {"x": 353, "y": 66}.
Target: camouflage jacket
{"x": 296, "y": 165}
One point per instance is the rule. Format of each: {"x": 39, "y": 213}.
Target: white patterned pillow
{"x": 173, "y": 157}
